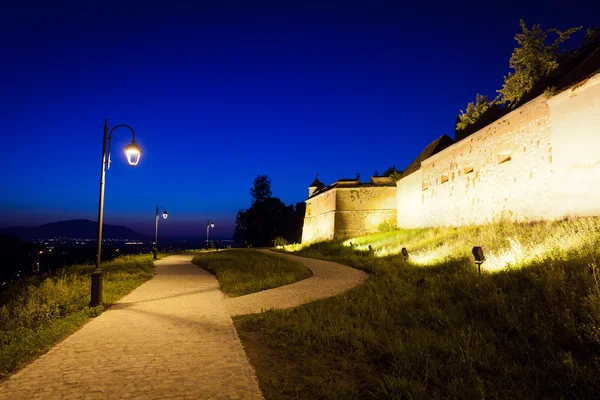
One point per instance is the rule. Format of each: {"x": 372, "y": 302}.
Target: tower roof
{"x": 317, "y": 183}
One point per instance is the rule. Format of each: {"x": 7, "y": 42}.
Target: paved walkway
{"x": 329, "y": 278}
{"x": 171, "y": 338}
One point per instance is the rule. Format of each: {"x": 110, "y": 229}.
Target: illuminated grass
{"x": 35, "y": 315}
{"x": 242, "y": 272}
{"x": 431, "y": 328}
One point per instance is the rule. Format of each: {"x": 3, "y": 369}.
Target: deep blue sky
{"x": 218, "y": 95}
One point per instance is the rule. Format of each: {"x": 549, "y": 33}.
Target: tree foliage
{"x": 474, "y": 112}
{"x": 268, "y": 218}
{"x": 531, "y": 61}
{"x": 261, "y": 190}
{"x": 534, "y": 59}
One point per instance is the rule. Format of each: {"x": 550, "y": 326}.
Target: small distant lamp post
{"x": 479, "y": 257}
{"x": 133, "y": 153}
{"x": 209, "y": 225}
{"x": 405, "y": 253}
{"x": 165, "y": 215}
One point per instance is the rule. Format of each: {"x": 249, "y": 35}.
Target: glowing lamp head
{"x": 165, "y": 215}
{"x": 478, "y": 254}
{"x": 133, "y": 152}
{"x": 212, "y": 224}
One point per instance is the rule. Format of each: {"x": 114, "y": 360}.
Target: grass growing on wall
{"x": 528, "y": 327}
{"x": 242, "y": 272}
{"x": 36, "y": 314}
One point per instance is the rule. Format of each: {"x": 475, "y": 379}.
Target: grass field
{"x": 36, "y": 314}
{"x": 242, "y": 271}
{"x": 431, "y": 327}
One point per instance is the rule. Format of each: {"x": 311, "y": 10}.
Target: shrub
{"x": 279, "y": 241}
{"x": 387, "y": 226}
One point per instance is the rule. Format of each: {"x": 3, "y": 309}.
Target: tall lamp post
{"x": 208, "y": 226}
{"x": 165, "y": 215}
{"x": 133, "y": 153}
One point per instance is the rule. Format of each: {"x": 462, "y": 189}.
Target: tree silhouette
{"x": 267, "y": 218}
{"x": 261, "y": 189}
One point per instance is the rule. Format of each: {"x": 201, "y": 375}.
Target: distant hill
{"x": 75, "y": 228}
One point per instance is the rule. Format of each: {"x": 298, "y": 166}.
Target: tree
{"x": 531, "y": 61}
{"x": 268, "y": 218}
{"x": 391, "y": 170}
{"x": 473, "y": 113}
{"x": 261, "y": 189}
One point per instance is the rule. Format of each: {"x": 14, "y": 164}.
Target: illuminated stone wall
{"x": 361, "y": 210}
{"x": 348, "y": 211}
{"x": 319, "y": 220}
{"x": 575, "y": 115}
{"x": 409, "y": 201}
{"x": 541, "y": 161}
{"x": 500, "y": 171}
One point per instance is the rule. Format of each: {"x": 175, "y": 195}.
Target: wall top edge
{"x": 483, "y": 131}
{"x": 364, "y": 185}
{"x": 572, "y": 91}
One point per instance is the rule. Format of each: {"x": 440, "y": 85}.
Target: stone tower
{"x": 316, "y": 185}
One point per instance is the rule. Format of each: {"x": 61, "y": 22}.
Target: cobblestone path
{"x": 171, "y": 338}
{"x": 329, "y": 278}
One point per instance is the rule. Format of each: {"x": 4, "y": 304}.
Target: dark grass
{"x": 36, "y": 314}
{"x": 531, "y": 330}
{"x": 242, "y": 271}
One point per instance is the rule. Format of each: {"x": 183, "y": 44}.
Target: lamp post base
{"x": 96, "y": 298}
{"x": 155, "y": 254}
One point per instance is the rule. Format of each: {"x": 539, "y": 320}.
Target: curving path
{"x": 329, "y": 278}
{"x": 171, "y": 338}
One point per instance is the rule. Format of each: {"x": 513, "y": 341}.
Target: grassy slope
{"x": 242, "y": 272}
{"x": 528, "y": 327}
{"x": 36, "y": 315}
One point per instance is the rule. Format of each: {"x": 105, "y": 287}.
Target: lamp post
{"x": 208, "y": 226}
{"x": 133, "y": 153}
{"x": 165, "y": 215}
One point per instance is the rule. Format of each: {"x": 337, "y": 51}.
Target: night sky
{"x": 218, "y": 95}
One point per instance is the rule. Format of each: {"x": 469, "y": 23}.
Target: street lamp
{"x": 133, "y": 153}
{"x": 165, "y": 215}
{"x": 208, "y": 226}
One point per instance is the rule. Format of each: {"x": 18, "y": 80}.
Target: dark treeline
{"x": 268, "y": 218}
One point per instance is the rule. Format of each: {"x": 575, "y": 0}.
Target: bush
{"x": 387, "y": 226}
{"x": 279, "y": 242}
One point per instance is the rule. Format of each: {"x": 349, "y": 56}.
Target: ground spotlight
{"x": 405, "y": 253}
{"x": 479, "y": 257}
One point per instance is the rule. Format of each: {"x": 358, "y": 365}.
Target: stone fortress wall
{"x": 503, "y": 170}
{"x": 347, "y": 210}
{"x": 541, "y": 161}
